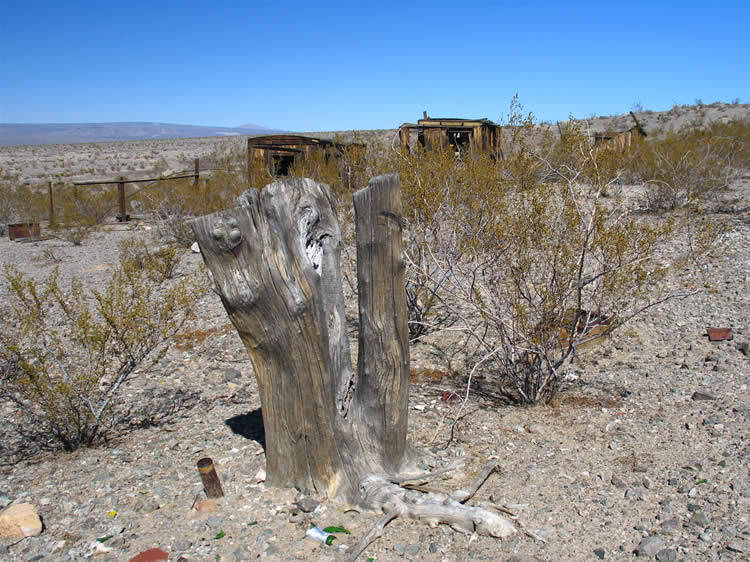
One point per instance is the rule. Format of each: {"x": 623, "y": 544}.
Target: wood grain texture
{"x": 275, "y": 264}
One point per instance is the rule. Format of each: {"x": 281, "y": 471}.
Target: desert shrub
{"x": 79, "y": 210}
{"x": 690, "y": 166}
{"x": 19, "y": 203}
{"x": 171, "y": 203}
{"x": 526, "y": 255}
{"x": 160, "y": 264}
{"x": 66, "y": 354}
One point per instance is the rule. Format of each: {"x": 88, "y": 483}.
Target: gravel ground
{"x": 647, "y": 452}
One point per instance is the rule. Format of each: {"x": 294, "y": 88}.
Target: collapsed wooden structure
{"x": 622, "y": 140}
{"x": 278, "y": 154}
{"x": 462, "y": 134}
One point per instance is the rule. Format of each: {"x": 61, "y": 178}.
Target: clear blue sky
{"x": 330, "y": 65}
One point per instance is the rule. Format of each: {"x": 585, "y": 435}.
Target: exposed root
{"x": 372, "y": 534}
{"x": 463, "y": 496}
{"x": 379, "y": 494}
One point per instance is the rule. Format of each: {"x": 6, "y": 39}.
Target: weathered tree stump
{"x": 328, "y": 429}
{"x": 275, "y": 264}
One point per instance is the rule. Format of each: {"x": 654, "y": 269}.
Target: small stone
{"x": 647, "y": 483}
{"x": 195, "y": 248}
{"x": 700, "y": 520}
{"x": 307, "y": 504}
{"x": 213, "y": 522}
{"x": 705, "y": 537}
{"x": 231, "y": 375}
{"x": 600, "y": 552}
{"x": 618, "y": 482}
{"x": 666, "y": 555}
{"x": 407, "y": 548}
{"x": 205, "y": 506}
{"x": 634, "y": 493}
{"x": 641, "y": 468}
{"x": 260, "y": 476}
{"x": 19, "y": 521}
{"x": 735, "y": 547}
{"x": 698, "y": 395}
{"x": 433, "y": 548}
{"x": 670, "y": 526}
{"x": 536, "y": 428}
{"x": 650, "y": 546}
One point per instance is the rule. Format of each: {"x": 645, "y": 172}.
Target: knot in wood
{"x": 227, "y": 233}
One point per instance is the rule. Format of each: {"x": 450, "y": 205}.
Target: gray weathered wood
{"x": 275, "y": 264}
{"x": 382, "y": 393}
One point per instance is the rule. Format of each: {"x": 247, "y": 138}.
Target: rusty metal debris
{"x": 720, "y": 334}
{"x": 22, "y": 230}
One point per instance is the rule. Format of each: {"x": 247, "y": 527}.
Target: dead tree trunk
{"x": 328, "y": 430}
{"x": 275, "y": 264}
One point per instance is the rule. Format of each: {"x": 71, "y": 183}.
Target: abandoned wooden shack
{"x": 462, "y": 134}
{"x": 622, "y": 140}
{"x": 277, "y": 154}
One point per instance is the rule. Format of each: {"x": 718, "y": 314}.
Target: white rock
{"x": 19, "y": 521}
{"x": 260, "y": 476}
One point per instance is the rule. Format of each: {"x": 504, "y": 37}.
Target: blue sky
{"x": 329, "y": 65}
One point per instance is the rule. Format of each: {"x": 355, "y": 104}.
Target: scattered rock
{"x": 618, "y": 482}
{"x": 307, "y": 504}
{"x": 19, "y": 521}
{"x": 232, "y": 375}
{"x": 195, "y": 248}
{"x": 699, "y": 519}
{"x": 698, "y": 395}
{"x": 736, "y": 547}
{"x": 600, "y": 552}
{"x": 670, "y": 526}
{"x": 205, "y": 506}
{"x": 650, "y": 546}
{"x": 666, "y": 555}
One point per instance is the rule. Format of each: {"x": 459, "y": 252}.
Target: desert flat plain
{"x": 646, "y": 451}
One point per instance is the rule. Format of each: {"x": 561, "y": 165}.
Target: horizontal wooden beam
{"x": 106, "y": 182}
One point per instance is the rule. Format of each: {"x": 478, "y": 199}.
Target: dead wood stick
{"x": 375, "y": 532}
{"x": 426, "y": 476}
{"x": 531, "y": 534}
{"x": 465, "y": 495}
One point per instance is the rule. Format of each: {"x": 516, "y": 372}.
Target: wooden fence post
{"x": 123, "y": 202}
{"x": 196, "y": 181}
{"x": 51, "y": 204}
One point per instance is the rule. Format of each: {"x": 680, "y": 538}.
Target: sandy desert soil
{"x": 647, "y": 451}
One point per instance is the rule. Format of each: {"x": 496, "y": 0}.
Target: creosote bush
{"x": 18, "y": 203}
{"x": 160, "y": 264}
{"x": 79, "y": 210}
{"x": 688, "y": 167}
{"x": 65, "y": 354}
{"x": 527, "y": 256}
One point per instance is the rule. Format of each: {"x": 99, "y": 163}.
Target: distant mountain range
{"x": 14, "y": 134}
